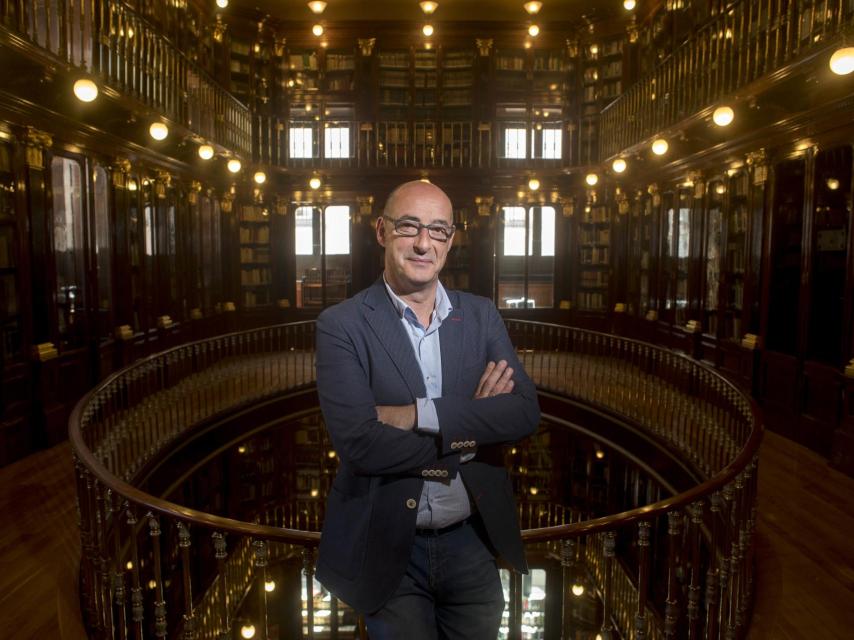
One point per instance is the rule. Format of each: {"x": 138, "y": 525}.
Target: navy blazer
{"x": 365, "y": 359}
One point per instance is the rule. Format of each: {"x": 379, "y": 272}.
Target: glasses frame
{"x": 447, "y": 231}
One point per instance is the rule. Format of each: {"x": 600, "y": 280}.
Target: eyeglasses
{"x": 409, "y": 228}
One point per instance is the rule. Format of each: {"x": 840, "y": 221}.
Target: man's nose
{"x": 422, "y": 240}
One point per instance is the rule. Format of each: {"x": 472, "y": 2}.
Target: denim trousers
{"x": 451, "y": 590}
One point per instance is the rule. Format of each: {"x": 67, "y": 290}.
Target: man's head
{"x": 413, "y": 263}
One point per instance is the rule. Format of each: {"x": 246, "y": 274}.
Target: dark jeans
{"x": 451, "y": 590}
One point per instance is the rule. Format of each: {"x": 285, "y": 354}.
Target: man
{"x": 419, "y": 387}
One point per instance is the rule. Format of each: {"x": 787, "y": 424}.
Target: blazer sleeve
{"x": 369, "y": 446}
{"x": 466, "y": 422}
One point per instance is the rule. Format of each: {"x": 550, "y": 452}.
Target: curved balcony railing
{"x": 747, "y": 40}
{"x": 676, "y": 567}
{"x": 108, "y": 39}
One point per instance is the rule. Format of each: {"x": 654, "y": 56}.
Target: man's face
{"x": 413, "y": 263}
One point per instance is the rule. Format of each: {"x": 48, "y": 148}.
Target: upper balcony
{"x": 202, "y": 473}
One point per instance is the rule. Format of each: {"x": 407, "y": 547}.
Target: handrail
{"x": 130, "y": 417}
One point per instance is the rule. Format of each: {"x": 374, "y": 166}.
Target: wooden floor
{"x": 805, "y": 547}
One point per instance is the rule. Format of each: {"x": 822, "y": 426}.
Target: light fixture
{"x": 206, "y": 152}
{"x": 428, "y": 45}
{"x": 723, "y": 116}
{"x": 533, "y": 184}
{"x": 527, "y": 44}
{"x": 842, "y": 61}
{"x": 270, "y": 586}
{"x": 222, "y": 4}
{"x": 428, "y": 7}
{"x": 234, "y": 165}
{"x": 427, "y": 30}
{"x": 317, "y": 6}
{"x": 832, "y": 184}
{"x": 720, "y": 188}
{"x": 158, "y": 131}
{"x": 660, "y": 147}
{"x": 260, "y": 177}
{"x": 578, "y": 590}
{"x": 241, "y": 449}
{"x": 132, "y": 185}
{"x": 314, "y": 183}
{"x": 594, "y": 50}
{"x": 628, "y": 5}
{"x": 618, "y": 165}
{"x": 308, "y": 107}
{"x": 534, "y": 30}
{"x": 85, "y": 90}
{"x": 247, "y": 631}
{"x": 533, "y": 8}
{"x": 599, "y": 454}
{"x": 317, "y": 30}
{"x": 591, "y": 179}
{"x": 534, "y": 491}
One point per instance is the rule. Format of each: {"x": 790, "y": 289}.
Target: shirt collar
{"x": 442, "y": 308}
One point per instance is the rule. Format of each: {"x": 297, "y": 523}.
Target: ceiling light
{"x": 619, "y": 165}
{"x": 591, "y": 179}
{"x": 533, "y": 31}
{"x": 723, "y": 116}
{"x": 533, "y": 8}
{"x": 247, "y": 631}
{"x": 720, "y": 188}
{"x": 594, "y": 49}
{"x": 206, "y": 152}
{"x": 842, "y": 61}
{"x": 527, "y": 44}
{"x": 314, "y": 183}
{"x": 428, "y": 45}
{"x": 158, "y": 131}
{"x": 317, "y": 30}
{"x": 578, "y": 590}
{"x": 222, "y": 4}
{"x": 427, "y": 30}
{"x": 317, "y": 6}
{"x": 260, "y": 177}
{"x": 132, "y": 185}
{"x": 628, "y": 5}
{"x": 85, "y": 90}
{"x": 533, "y": 184}
{"x": 234, "y": 165}
{"x": 428, "y": 7}
{"x": 660, "y": 147}
{"x": 832, "y": 184}
{"x": 270, "y": 585}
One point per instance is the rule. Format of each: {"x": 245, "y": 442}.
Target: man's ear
{"x": 380, "y": 229}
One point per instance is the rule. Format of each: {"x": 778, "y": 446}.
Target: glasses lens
{"x": 439, "y": 232}
{"x": 406, "y": 228}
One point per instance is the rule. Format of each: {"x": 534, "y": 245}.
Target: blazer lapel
{"x": 451, "y": 341}
{"x": 386, "y": 325}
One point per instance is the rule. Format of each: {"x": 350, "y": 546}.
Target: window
{"x": 301, "y": 142}
{"x": 526, "y": 257}
{"x": 515, "y": 140}
{"x": 550, "y": 143}
{"x": 100, "y": 180}
{"x": 336, "y": 142}
{"x": 322, "y": 247}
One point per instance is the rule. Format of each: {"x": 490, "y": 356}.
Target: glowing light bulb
{"x": 206, "y": 152}
{"x": 832, "y": 184}
{"x": 660, "y": 147}
{"x": 427, "y": 30}
{"x": 619, "y": 165}
{"x": 317, "y": 30}
{"x": 314, "y": 183}
{"x": 591, "y": 179}
{"x": 132, "y": 185}
{"x": 158, "y": 131}
{"x": 533, "y": 31}
{"x": 578, "y": 590}
{"x": 533, "y": 7}
{"x": 260, "y": 177}
{"x": 247, "y": 631}
{"x": 842, "y": 61}
{"x": 222, "y": 4}
{"x": 85, "y": 90}
{"x": 317, "y": 6}
{"x": 533, "y": 184}
{"x": 628, "y": 5}
{"x": 723, "y": 116}
{"x": 428, "y": 7}
{"x": 270, "y": 586}
{"x": 234, "y": 165}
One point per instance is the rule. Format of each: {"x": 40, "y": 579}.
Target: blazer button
{"x": 425, "y": 472}
{"x": 455, "y": 445}
{"x": 444, "y": 474}
{"x": 411, "y": 504}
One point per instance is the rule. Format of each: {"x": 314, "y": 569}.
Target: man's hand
{"x": 496, "y": 379}
{"x": 401, "y": 417}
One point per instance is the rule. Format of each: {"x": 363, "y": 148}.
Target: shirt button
{"x": 411, "y": 504}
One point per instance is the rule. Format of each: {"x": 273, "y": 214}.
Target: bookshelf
{"x": 735, "y": 255}
{"x": 339, "y": 72}
{"x": 255, "y": 271}
{"x": 10, "y": 318}
{"x": 594, "y": 258}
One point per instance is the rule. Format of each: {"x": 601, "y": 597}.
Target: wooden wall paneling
{"x": 779, "y": 391}
{"x": 819, "y": 413}
{"x": 16, "y": 436}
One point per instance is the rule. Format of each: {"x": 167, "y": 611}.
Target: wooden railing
{"x": 107, "y": 39}
{"x": 679, "y": 567}
{"x": 747, "y": 40}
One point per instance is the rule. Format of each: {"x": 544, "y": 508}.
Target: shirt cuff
{"x": 428, "y": 419}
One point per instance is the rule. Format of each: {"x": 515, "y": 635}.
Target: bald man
{"x": 419, "y": 388}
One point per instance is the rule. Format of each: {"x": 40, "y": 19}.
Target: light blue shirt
{"x": 442, "y": 502}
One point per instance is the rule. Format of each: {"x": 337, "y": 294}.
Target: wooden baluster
{"x": 87, "y": 564}
{"x": 159, "y": 600}
{"x": 694, "y": 589}
{"x": 221, "y": 555}
{"x": 671, "y": 607}
{"x": 643, "y": 580}
{"x": 609, "y": 541}
{"x": 136, "y": 588}
{"x": 515, "y": 625}
{"x": 118, "y": 570}
{"x": 189, "y": 618}
{"x": 308, "y": 572}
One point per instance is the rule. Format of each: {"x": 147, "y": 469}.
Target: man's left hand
{"x": 401, "y": 417}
